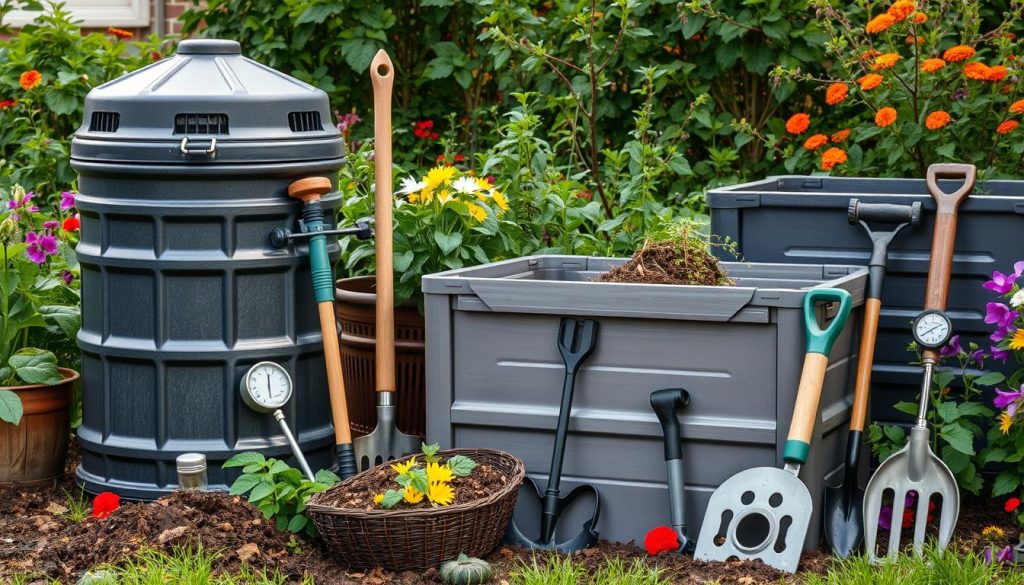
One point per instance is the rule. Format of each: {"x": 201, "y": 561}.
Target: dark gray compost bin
{"x": 494, "y": 378}
{"x": 183, "y": 172}
{"x": 803, "y": 220}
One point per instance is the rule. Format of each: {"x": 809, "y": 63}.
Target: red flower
{"x": 9, "y": 103}
{"x": 424, "y": 130}
{"x": 72, "y": 224}
{"x": 104, "y": 504}
{"x": 661, "y": 539}
{"x": 459, "y": 158}
{"x": 1011, "y": 504}
{"x": 120, "y": 33}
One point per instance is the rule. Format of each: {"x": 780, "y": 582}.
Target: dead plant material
{"x": 682, "y": 258}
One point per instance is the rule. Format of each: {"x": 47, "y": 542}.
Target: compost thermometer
{"x": 266, "y": 387}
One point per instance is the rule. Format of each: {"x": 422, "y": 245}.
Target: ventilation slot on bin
{"x": 201, "y": 124}
{"x": 304, "y": 121}
{"x": 104, "y": 122}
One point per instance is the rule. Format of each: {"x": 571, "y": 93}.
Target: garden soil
{"x": 37, "y": 537}
{"x": 674, "y": 261}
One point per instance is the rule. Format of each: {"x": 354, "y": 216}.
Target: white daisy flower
{"x": 465, "y": 185}
{"x": 1017, "y": 300}
{"x": 410, "y": 185}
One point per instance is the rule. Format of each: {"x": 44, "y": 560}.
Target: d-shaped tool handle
{"x": 665, "y": 404}
{"x": 576, "y": 341}
{"x": 949, "y": 202}
{"x": 819, "y": 345}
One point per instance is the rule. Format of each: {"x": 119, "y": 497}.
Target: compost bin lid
{"x": 207, "y": 104}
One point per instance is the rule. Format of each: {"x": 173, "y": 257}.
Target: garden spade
{"x": 386, "y": 442}
{"x": 915, "y": 468}
{"x": 844, "y": 503}
{"x": 763, "y": 513}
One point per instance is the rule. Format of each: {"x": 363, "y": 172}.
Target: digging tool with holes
{"x": 915, "y": 467}
{"x": 386, "y": 442}
{"x": 844, "y": 503}
{"x": 763, "y": 513}
{"x": 309, "y": 191}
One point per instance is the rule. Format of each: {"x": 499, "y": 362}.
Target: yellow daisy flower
{"x": 499, "y": 199}
{"x": 413, "y": 197}
{"x": 1005, "y": 422}
{"x": 402, "y": 468}
{"x": 440, "y": 493}
{"x": 412, "y": 495}
{"x": 993, "y": 532}
{"x": 482, "y": 183}
{"x": 1017, "y": 341}
{"x": 378, "y": 499}
{"x": 438, "y": 472}
{"x": 441, "y": 175}
{"x": 444, "y": 196}
{"x": 478, "y": 213}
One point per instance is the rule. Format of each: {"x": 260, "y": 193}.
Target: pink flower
{"x": 1003, "y": 283}
{"x": 35, "y": 251}
{"x": 67, "y": 200}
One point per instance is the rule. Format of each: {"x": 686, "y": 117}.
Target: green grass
{"x": 556, "y": 570}
{"x": 78, "y": 506}
{"x": 932, "y": 569}
{"x": 190, "y": 565}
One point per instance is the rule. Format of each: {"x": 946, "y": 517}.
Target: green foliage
{"x": 189, "y": 565}
{"x": 957, "y": 419}
{"x": 431, "y": 482}
{"x": 37, "y": 124}
{"x": 78, "y": 505}
{"x": 278, "y": 490}
{"x": 933, "y": 568}
{"x": 555, "y": 569}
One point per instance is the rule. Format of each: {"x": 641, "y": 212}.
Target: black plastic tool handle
{"x": 665, "y": 404}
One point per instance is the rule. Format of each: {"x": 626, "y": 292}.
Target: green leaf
{"x": 693, "y": 24}
{"x": 419, "y": 480}
{"x": 277, "y": 466}
{"x": 326, "y": 477}
{"x": 403, "y": 480}
{"x": 61, "y": 102}
{"x": 907, "y": 407}
{"x": 268, "y": 507}
{"x": 263, "y": 489}
{"x": 948, "y": 411}
{"x": 990, "y": 379}
{"x": 298, "y": 522}
{"x": 958, "y": 438}
{"x": 391, "y": 498}
{"x": 430, "y": 451}
{"x": 358, "y": 53}
{"x": 11, "y": 410}
{"x": 244, "y": 483}
{"x": 447, "y": 242}
{"x": 461, "y": 465}
{"x": 956, "y": 460}
{"x": 1005, "y": 483}
{"x": 969, "y": 409}
{"x": 993, "y": 455}
{"x": 403, "y": 260}
{"x": 69, "y": 319}
{"x": 244, "y": 459}
{"x": 896, "y": 434}
{"x": 35, "y": 366}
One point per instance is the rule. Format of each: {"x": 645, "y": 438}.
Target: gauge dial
{"x": 266, "y": 387}
{"x": 932, "y": 329}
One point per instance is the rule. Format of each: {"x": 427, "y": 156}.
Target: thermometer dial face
{"x": 932, "y": 329}
{"x": 266, "y": 386}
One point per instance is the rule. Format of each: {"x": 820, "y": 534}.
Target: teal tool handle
{"x": 818, "y": 340}
{"x": 319, "y": 262}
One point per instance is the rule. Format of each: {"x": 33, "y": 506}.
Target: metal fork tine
{"x": 921, "y": 522}
{"x": 872, "y": 509}
{"x": 947, "y": 520}
{"x": 896, "y": 524}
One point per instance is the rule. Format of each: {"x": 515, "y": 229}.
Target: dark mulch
{"x": 484, "y": 481}
{"x": 36, "y": 538}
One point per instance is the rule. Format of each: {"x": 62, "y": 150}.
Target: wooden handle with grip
{"x": 940, "y": 268}
{"x": 382, "y": 74}
{"x": 805, "y": 412}
{"x": 865, "y": 359}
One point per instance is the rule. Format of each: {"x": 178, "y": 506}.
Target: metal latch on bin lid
{"x": 199, "y": 150}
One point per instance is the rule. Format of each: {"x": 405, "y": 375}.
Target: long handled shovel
{"x": 309, "y": 191}
{"x": 763, "y": 513}
{"x": 386, "y": 442}
{"x": 915, "y": 468}
{"x": 665, "y": 404}
{"x": 844, "y": 503}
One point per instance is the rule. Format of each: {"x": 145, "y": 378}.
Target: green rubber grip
{"x": 320, "y": 268}
{"x": 819, "y": 341}
{"x": 795, "y": 451}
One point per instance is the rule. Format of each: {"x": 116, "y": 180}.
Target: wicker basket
{"x": 415, "y": 540}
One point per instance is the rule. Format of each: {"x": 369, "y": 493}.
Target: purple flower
{"x": 999, "y": 314}
{"x": 885, "y": 518}
{"x": 48, "y": 243}
{"x": 1008, "y": 400}
{"x": 35, "y": 254}
{"x": 1003, "y": 556}
{"x": 987, "y": 555}
{"x": 1000, "y": 354}
{"x": 12, "y": 204}
{"x": 977, "y": 357}
{"x": 68, "y": 277}
{"x": 67, "y": 200}
{"x": 33, "y": 208}
{"x": 1003, "y": 283}
{"x": 51, "y": 224}
{"x": 960, "y": 94}
{"x": 952, "y": 348}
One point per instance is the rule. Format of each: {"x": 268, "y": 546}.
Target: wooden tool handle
{"x": 382, "y": 74}
{"x": 805, "y": 412}
{"x": 335, "y": 379}
{"x": 865, "y": 359}
{"x": 944, "y": 237}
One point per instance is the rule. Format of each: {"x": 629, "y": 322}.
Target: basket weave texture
{"x": 417, "y": 539}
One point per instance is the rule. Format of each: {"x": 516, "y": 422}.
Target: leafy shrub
{"x": 278, "y": 490}
{"x": 45, "y": 71}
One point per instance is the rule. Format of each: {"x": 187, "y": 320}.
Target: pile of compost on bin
{"x": 679, "y": 255}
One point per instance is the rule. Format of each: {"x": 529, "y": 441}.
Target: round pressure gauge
{"x": 932, "y": 329}
{"x": 266, "y": 387}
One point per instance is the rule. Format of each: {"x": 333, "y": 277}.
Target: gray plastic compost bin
{"x": 183, "y": 173}
{"x": 803, "y": 220}
{"x": 494, "y": 378}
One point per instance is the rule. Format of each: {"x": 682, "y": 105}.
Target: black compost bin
{"x": 183, "y": 173}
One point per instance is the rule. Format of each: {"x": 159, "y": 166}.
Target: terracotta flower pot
{"x": 35, "y": 450}
{"x": 355, "y": 309}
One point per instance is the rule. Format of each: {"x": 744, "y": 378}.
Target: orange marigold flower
{"x": 936, "y": 120}
{"x": 901, "y": 9}
{"x": 958, "y": 53}
{"x": 870, "y": 81}
{"x": 1007, "y": 127}
{"x": 1016, "y": 107}
{"x": 832, "y": 157}
{"x": 797, "y": 124}
{"x": 885, "y": 117}
{"x": 997, "y": 73}
{"x": 30, "y": 79}
{"x": 841, "y": 136}
{"x": 885, "y": 61}
{"x": 920, "y": 18}
{"x": 9, "y": 103}
{"x": 836, "y": 93}
{"x": 880, "y": 23}
{"x": 932, "y": 65}
{"x": 869, "y": 54}
{"x": 815, "y": 142}
{"x": 910, "y": 40}
{"x": 976, "y": 70}
{"x": 120, "y": 33}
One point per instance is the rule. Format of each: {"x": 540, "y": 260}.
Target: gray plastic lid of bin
{"x": 207, "y": 104}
